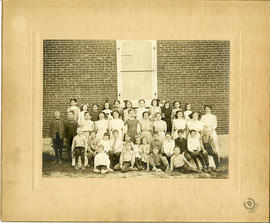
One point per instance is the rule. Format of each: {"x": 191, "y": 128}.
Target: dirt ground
{"x": 66, "y": 170}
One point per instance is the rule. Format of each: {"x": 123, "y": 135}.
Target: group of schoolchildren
{"x": 159, "y": 138}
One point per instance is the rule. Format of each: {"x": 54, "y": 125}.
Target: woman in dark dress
{"x": 166, "y": 115}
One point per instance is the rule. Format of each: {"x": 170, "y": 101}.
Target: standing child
{"x": 92, "y": 146}
{"x": 57, "y": 133}
{"x": 141, "y": 109}
{"x": 106, "y": 142}
{"x": 180, "y": 163}
{"x": 160, "y": 126}
{"x": 136, "y": 149}
{"x": 73, "y": 107}
{"x": 128, "y": 106}
{"x": 79, "y": 146}
{"x": 197, "y": 151}
{"x": 95, "y": 112}
{"x": 187, "y": 111}
{"x": 86, "y": 124}
{"x": 145, "y": 151}
{"x": 82, "y": 113}
{"x": 101, "y": 126}
{"x": 101, "y": 161}
{"x": 127, "y": 158}
{"x": 154, "y": 109}
{"x": 117, "y": 124}
{"x": 146, "y": 127}
{"x": 176, "y": 107}
{"x": 71, "y": 128}
{"x": 178, "y": 123}
{"x": 167, "y": 115}
{"x": 116, "y": 148}
{"x": 157, "y": 161}
{"x": 107, "y": 110}
{"x": 167, "y": 147}
{"x": 132, "y": 126}
{"x": 117, "y": 107}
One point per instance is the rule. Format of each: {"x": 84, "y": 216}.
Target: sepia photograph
{"x": 136, "y": 108}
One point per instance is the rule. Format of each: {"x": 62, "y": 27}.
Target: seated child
{"x": 145, "y": 151}
{"x": 127, "y": 138}
{"x": 181, "y": 142}
{"x": 127, "y": 158}
{"x": 106, "y": 142}
{"x": 197, "y": 151}
{"x": 156, "y": 142}
{"x": 157, "y": 161}
{"x": 136, "y": 149}
{"x": 116, "y": 148}
{"x": 79, "y": 146}
{"x": 92, "y": 144}
{"x": 180, "y": 163}
{"x": 168, "y": 146}
{"x": 101, "y": 161}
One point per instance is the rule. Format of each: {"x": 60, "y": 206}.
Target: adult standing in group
{"x": 195, "y": 124}
{"x": 167, "y": 115}
{"x": 73, "y": 107}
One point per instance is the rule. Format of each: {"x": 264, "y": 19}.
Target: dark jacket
{"x": 182, "y": 144}
{"x": 71, "y": 129}
{"x": 53, "y": 129}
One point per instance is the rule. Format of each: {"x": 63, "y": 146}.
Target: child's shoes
{"x": 96, "y": 170}
{"x": 83, "y": 167}
{"x": 76, "y": 167}
{"x": 104, "y": 171}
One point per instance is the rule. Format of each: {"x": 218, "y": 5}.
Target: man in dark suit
{"x": 57, "y": 133}
{"x": 71, "y": 128}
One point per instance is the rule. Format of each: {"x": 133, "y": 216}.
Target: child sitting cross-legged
{"x": 127, "y": 158}
{"x": 180, "y": 163}
{"x": 101, "y": 161}
{"x": 157, "y": 161}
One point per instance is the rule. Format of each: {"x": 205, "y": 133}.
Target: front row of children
{"x": 113, "y": 154}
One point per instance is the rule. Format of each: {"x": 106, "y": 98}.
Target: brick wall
{"x": 82, "y": 69}
{"x": 196, "y": 72}
{"x": 189, "y": 71}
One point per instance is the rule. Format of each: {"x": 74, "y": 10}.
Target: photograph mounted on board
{"x": 136, "y": 108}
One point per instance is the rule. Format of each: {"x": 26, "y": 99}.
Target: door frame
{"x": 119, "y": 74}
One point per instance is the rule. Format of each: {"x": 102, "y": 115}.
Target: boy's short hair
{"x": 145, "y": 112}
{"x": 73, "y": 99}
{"x": 130, "y": 110}
{"x": 106, "y": 134}
{"x": 115, "y": 130}
{"x": 193, "y": 131}
{"x": 180, "y": 131}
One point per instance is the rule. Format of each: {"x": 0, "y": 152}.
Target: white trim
{"x": 119, "y": 73}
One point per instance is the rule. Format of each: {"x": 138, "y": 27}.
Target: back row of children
{"x": 154, "y": 136}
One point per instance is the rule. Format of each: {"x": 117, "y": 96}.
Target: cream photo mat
{"x": 28, "y": 196}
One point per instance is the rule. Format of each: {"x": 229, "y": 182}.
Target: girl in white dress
{"x": 195, "y": 124}
{"x": 141, "y": 109}
{"x": 101, "y": 125}
{"x": 128, "y": 105}
{"x": 73, "y": 107}
{"x": 107, "y": 110}
{"x": 160, "y": 126}
{"x": 154, "y": 109}
{"x": 117, "y": 123}
{"x": 176, "y": 107}
{"x": 187, "y": 111}
{"x": 81, "y": 114}
{"x": 178, "y": 123}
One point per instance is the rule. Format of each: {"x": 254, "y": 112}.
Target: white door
{"x": 137, "y": 70}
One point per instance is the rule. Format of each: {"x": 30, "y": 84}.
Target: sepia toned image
{"x": 136, "y": 108}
